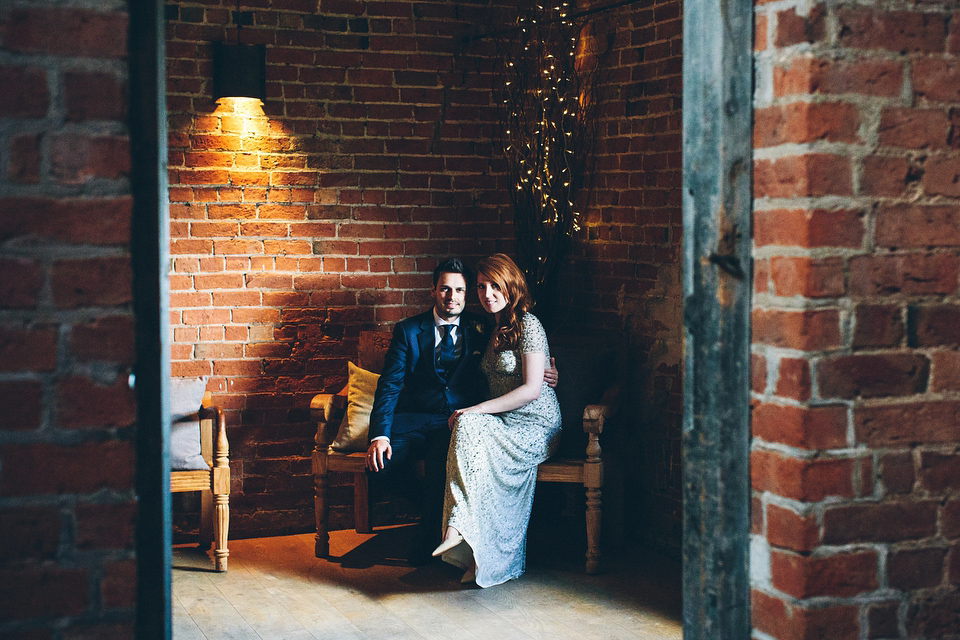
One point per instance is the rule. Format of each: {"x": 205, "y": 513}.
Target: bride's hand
{"x": 459, "y": 412}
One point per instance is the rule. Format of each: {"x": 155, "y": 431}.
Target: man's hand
{"x": 551, "y": 375}
{"x": 376, "y": 452}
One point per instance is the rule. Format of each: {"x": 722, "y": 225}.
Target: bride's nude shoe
{"x": 448, "y": 543}
{"x": 470, "y": 576}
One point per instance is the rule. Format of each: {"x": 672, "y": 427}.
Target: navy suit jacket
{"x": 409, "y": 382}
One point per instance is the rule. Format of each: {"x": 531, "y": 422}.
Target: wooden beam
{"x": 149, "y": 252}
{"x": 717, "y": 197}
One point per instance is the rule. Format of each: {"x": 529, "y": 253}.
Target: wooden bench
{"x": 586, "y": 470}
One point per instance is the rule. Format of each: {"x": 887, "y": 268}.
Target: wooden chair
{"x": 213, "y": 483}
{"x": 586, "y": 470}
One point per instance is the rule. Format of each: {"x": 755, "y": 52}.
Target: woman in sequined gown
{"x": 497, "y": 445}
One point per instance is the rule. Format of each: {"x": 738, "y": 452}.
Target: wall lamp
{"x": 239, "y": 71}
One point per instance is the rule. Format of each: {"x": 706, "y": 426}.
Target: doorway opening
{"x": 348, "y": 220}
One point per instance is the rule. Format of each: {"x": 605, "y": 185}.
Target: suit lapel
{"x": 427, "y": 340}
{"x": 465, "y": 347}
{"x": 472, "y": 340}
{"x": 468, "y": 335}
{"x": 478, "y": 334}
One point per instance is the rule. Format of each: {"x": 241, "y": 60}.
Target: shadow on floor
{"x": 390, "y": 546}
{"x": 190, "y": 557}
{"x": 635, "y": 577}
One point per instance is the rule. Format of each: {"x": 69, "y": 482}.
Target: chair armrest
{"x": 213, "y": 420}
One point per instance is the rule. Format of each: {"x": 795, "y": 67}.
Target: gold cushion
{"x": 361, "y": 387}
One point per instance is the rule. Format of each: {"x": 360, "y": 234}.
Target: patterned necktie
{"x": 446, "y": 353}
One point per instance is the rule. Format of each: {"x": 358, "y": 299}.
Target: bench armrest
{"x": 327, "y": 409}
{"x": 594, "y": 415}
{"x": 319, "y": 406}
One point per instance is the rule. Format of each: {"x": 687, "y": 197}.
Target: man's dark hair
{"x": 452, "y": 265}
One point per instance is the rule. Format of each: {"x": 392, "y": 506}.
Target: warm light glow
{"x": 241, "y": 106}
{"x": 249, "y": 112}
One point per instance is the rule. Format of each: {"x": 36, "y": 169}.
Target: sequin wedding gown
{"x": 492, "y": 466}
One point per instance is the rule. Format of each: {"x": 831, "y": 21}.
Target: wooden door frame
{"x": 717, "y": 210}
{"x": 717, "y": 283}
{"x": 150, "y": 247}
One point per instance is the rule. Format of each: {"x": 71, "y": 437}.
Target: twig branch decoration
{"x": 549, "y": 74}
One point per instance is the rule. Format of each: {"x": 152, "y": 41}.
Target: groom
{"x": 431, "y": 368}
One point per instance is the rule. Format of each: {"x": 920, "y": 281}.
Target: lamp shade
{"x": 239, "y": 71}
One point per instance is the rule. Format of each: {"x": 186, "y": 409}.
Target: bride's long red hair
{"x": 504, "y": 272}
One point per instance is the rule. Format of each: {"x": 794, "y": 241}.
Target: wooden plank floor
{"x": 277, "y": 590}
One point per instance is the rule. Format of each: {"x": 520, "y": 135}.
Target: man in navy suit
{"x": 431, "y": 368}
{"x": 421, "y": 384}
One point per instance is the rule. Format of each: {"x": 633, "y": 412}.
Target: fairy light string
{"x": 549, "y": 123}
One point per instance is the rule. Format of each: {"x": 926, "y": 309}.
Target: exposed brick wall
{"x": 626, "y": 267}
{"x": 295, "y": 228}
{"x": 67, "y": 507}
{"x": 855, "y": 386}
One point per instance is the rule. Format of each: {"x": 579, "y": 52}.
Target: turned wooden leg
{"x": 592, "y": 481}
{"x": 321, "y": 546}
{"x": 221, "y": 526}
{"x": 361, "y": 503}
{"x": 221, "y": 495}
{"x": 593, "y": 530}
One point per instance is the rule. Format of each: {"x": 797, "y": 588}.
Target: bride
{"x": 497, "y": 444}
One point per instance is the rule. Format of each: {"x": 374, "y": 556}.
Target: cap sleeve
{"x": 533, "y": 338}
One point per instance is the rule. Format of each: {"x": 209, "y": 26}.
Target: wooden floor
{"x": 277, "y": 590}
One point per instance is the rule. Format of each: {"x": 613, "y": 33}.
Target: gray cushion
{"x": 186, "y": 395}
{"x": 185, "y": 446}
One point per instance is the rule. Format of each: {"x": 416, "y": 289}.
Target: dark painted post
{"x": 149, "y": 251}
{"x": 717, "y": 150}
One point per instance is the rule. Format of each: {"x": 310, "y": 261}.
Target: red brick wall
{"x": 67, "y": 507}
{"x": 856, "y": 518}
{"x": 295, "y": 228}
{"x": 626, "y": 267}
